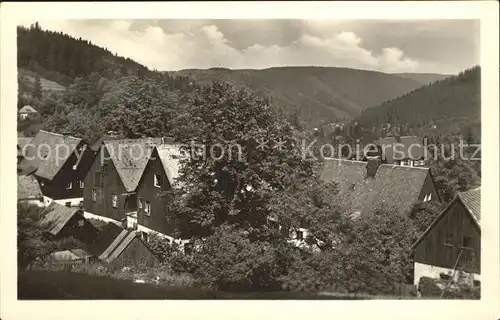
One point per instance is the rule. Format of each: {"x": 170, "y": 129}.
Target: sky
{"x": 423, "y": 46}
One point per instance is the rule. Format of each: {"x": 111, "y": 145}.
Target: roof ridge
{"x": 404, "y": 167}
{"x": 59, "y": 134}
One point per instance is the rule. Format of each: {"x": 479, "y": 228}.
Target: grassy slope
{"x": 27, "y": 77}
{"x": 40, "y": 285}
{"x": 342, "y": 92}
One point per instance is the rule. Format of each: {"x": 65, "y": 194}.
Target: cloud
{"x": 182, "y": 44}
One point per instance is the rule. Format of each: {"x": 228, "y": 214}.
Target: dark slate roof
{"x": 97, "y": 144}
{"x": 392, "y": 185}
{"x": 56, "y": 216}
{"x": 401, "y": 148}
{"x": 472, "y": 201}
{"x": 130, "y": 157}
{"x": 28, "y": 188}
{"x": 43, "y": 153}
{"x": 112, "y": 241}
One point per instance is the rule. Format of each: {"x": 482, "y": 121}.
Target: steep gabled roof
{"x": 27, "y": 109}
{"x": 56, "y": 216}
{"x": 48, "y": 152}
{"x": 472, "y": 202}
{"x": 470, "y": 199}
{"x": 170, "y": 156}
{"x": 392, "y": 185}
{"x": 130, "y": 157}
{"x": 28, "y": 188}
{"x": 98, "y": 143}
{"x": 111, "y": 242}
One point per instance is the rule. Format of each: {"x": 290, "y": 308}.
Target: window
{"x": 188, "y": 248}
{"x": 104, "y": 167}
{"x": 115, "y": 201}
{"x": 81, "y": 223}
{"x": 68, "y": 204}
{"x": 81, "y": 185}
{"x": 144, "y": 236}
{"x": 74, "y": 167}
{"x": 299, "y": 235}
{"x": 448, "y": 240}
{"x": 69, "y": 185}
{"x": 147, "y": 208}
{"x": 157, "y": 180}
{"x": 94, "y": 195}
{"x": 430, "y": 196}
{"x": 467, "y": 242}
{"x": 140, "y": 203}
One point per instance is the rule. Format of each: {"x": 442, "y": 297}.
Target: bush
{"x": 433, "y": 288}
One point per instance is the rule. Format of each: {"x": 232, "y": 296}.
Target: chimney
{"x": 372, "y": 166}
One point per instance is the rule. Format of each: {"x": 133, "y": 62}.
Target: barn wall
{"x": 86, "y": 233}
{"x": 136, "y": 254}
{"x": 433, "y": 251}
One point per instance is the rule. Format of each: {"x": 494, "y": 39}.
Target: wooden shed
{"x": 62, "y": 221}
{"x": 122, "y": 247}
{"x": 453, "y": 240}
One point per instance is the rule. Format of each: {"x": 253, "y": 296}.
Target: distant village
{"x": 129, "y": 194}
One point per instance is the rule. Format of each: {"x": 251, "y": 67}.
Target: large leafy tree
{"x": 240, "y": 152}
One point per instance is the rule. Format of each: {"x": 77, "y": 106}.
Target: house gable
{"x": 442, "y": 244}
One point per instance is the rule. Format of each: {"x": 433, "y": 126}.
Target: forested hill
{"x": 315, "y": 94}
{"x": 424, "y": 78}
{"x": 61, "y": 58}
{"x": 97, "y": 91}
{"x": 446, "y": 107}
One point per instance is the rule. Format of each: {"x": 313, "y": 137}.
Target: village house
{"x": 453, "y": 240}
{"x": 59, "y": 163}
{"x": 122, "y": 247}
{"x": 365, "y": 185}
{"x": 153, "y": 200}
{"x": 403, "y": 151}
{"x": 28, "y": 112}
{"x": 28, "y": 190}
{"x": 111, "y": 182}
{"x": 63, "y": 221}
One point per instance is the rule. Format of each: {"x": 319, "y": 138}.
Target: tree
{"x": 424, "y": 213}
{"x": 37, "y": 88}
{"x": 31, "y": 242}
{"x": 376, "y": 254}
{"x": 234, "y": 174}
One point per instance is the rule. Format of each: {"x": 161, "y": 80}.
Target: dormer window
{"x": 157, "y": 180}
{"x": 69, "y": 186}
